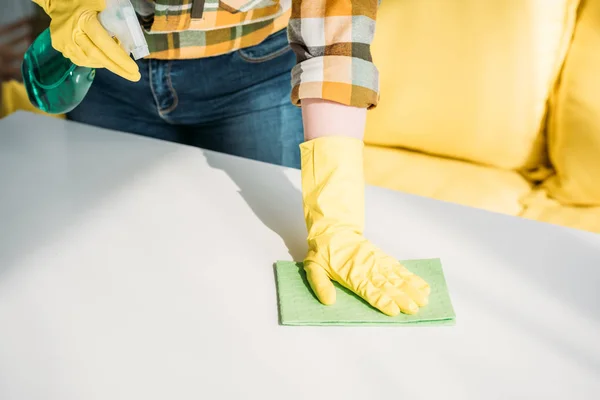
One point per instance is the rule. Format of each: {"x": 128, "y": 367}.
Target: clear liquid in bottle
{"x": 54, "y": 84}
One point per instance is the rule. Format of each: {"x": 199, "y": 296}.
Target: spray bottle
{"x": 54, "y": 84}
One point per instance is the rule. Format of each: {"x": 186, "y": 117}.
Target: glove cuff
{"x": 333, "y": 185}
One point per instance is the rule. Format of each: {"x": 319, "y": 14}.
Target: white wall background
{"x": 12, "y": 10}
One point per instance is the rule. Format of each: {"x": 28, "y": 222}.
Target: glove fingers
{"x": 83, "y": 61}
{"x": 77, "y": 56}
{"x": 379, "y": 299}
{"x": 402, "y": 299}
{"x": 101, "y": 47}
{"x": 412, "y": 279}
{"x": 321, "y": 284}
{"x": 95, "y": 56}
{"x": 419, "y": 283}
{"x": 406, "y": 285}
{"x": 413, "y": 293}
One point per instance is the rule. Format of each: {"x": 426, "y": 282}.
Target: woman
{"x": 218, "y": 78}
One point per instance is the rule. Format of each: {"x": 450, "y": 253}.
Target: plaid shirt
{"x": 331, "y": 39}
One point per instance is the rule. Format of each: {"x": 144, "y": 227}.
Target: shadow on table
{"x": 580, "y": 259}
{"x": 283, "y": 214}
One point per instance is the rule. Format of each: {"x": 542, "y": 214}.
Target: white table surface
{"x": 132, "y": 268}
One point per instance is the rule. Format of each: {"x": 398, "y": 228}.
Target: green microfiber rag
{"x": 299, "y": 306}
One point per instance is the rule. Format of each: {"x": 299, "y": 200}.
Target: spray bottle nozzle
{"x": 120, "y": 20}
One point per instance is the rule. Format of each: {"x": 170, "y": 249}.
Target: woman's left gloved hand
{"x": 333, "y": 196}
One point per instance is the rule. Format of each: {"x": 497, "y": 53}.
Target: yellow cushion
{"x": 446, "y": 179}
{"x": 14, "y": 98}
{"x": 540, "y": 207}
{"x": 574, "y": 128}
{"x": 468, "y": 78}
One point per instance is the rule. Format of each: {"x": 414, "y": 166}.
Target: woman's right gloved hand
{"x": 77, "y": 33}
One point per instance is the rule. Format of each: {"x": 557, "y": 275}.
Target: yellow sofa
{"x": 492, "y": 104}
{"x": 13, "y": 97}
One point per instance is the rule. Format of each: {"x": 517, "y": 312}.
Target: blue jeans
{"x": 237, "y": 103}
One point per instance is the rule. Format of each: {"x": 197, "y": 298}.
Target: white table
{"x": 132, "y": 268}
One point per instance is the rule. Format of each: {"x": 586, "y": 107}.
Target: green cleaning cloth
{"x": 299, "y": 306}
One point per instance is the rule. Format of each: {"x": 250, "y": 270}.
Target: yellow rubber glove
{"x": 77, "y": 33}
{"x": 333, "y": 196}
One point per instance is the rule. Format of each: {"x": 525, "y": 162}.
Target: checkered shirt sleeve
{"x": 332, "y": 41}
